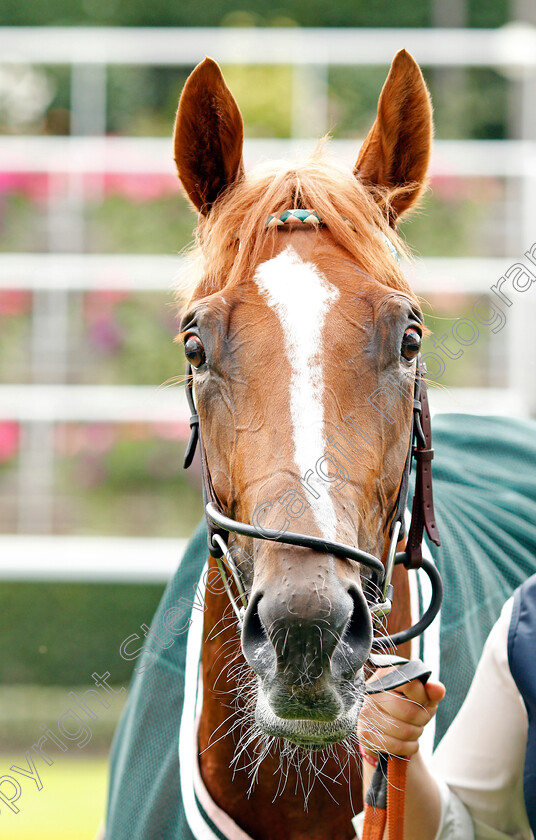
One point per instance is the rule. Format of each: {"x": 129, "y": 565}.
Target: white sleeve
{"x": 482, "y": 755}
{"x": 456, "y": 823}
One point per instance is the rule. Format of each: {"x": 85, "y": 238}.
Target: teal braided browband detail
{"x": 290, "y": 217}
{"x": 311, "y": 217}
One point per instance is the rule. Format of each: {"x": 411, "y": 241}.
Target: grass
{"x": 23, "y": 708}
{"x": 70, "y": 805}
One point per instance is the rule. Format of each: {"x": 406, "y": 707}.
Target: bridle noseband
{"x": 380, "y": 594}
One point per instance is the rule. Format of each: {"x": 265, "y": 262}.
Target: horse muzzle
{"x": 307, "y": 648}
{"x": 304, "y": 732}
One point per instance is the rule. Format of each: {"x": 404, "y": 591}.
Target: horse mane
{"x": 230, "y": 240}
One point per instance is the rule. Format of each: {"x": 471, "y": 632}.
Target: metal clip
{"x": 383, "y": 607}
{"x": 239, "y": 611}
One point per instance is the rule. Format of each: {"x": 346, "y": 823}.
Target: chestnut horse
{"x": 294, "y": 332}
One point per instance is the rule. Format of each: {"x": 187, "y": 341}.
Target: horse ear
{"x": 396, "y": 151}
{"x": 208, "y": 136}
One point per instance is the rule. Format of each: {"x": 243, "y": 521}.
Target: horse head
{"x": 302, "y": 335}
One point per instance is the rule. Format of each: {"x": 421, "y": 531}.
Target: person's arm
{"x": 393, "y": 722}
{"x": 477, "y": 768}
{"x": 481, "y": 757}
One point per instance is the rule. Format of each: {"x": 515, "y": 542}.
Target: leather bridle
{"x": 384, "y": 804}
{"x": 380, "y": 593}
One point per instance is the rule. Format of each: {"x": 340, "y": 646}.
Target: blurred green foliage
{"x": 16, "y": 337}
{"x": 353, "y": 99}
{"x": 60, "y": 633}
{"x": 129, "y": 482}
{"x": 112, "y": 479}
{"x": 231, "y": 12}
{"x": 142, "y": 100}
{"x": 127, "y": 342}
{"x": 473, "y": 105}
{"x": 471, "y": 368}
{"x": 470, "y": 104}
{"x": 458, "y": 218}
{"x": 264, "y": 94}
{"x": 22, "y": 223}
{"x": 156, "y": 226}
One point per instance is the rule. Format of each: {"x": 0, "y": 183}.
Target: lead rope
{"x": 386, "y": 797}
{"x": 397, "y": 769}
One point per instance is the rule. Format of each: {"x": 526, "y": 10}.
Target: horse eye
{"x": 411, "y": 344}
{"x": 194, "y": 350}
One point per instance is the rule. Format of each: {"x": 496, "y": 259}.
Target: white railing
{"x": 309, "y": 52}
{"x": 89, "y": 559}
{"x": 154, "y": 155}
{"x": 509, "y": 46}
{"x": 143, "y": 404}
{"x": 93, "y": 404}
{"x": 88, "y": 272}
{"x": 150, "y": 273}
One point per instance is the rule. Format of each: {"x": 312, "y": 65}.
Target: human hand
{"x": 393, "y": 722}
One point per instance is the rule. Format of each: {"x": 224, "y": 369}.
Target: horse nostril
{"x": 256, "y": 646}
{"x": 354, "y": 647}
{"x": 306, "y": 644}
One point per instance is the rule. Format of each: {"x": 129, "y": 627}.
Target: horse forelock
{"x": 232, "y": 240}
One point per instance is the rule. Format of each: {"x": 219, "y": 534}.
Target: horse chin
{"x": 308, "y": 734}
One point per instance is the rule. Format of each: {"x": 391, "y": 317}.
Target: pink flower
{"x": 9, "y": 440}
{"x": 140, "y": 187}
{"x": 15, "y": 302}
{"x": 35, "y": 185}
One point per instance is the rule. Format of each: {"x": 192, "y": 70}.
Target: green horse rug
{"x": 485, "y": 502}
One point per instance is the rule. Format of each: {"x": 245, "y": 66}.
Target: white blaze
{"x": 301, "y": 297}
